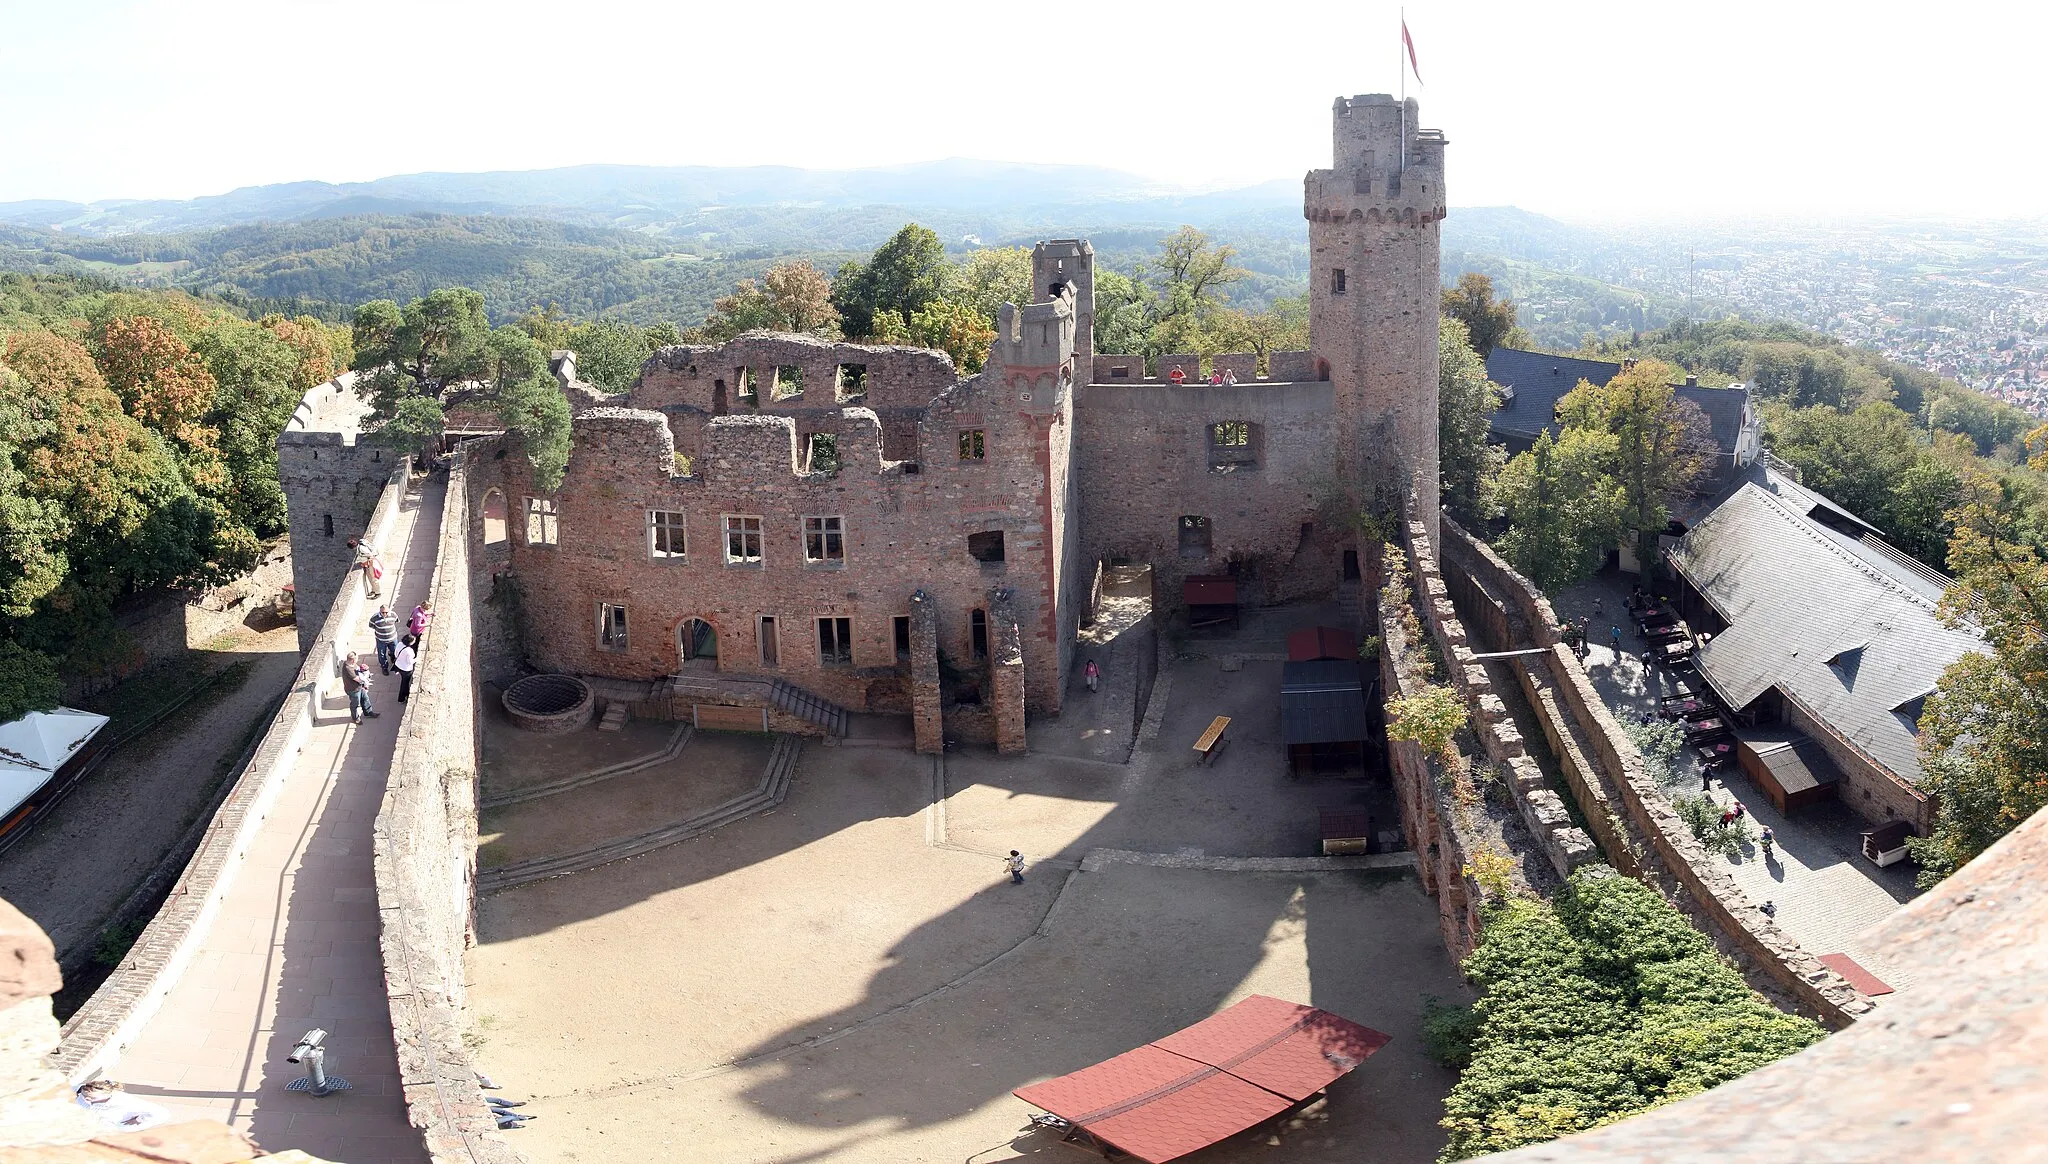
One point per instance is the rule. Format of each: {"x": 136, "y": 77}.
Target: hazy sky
{"x": 1576, "y": 109}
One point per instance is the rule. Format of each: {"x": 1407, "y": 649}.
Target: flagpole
{"x": 1400, "y": 52}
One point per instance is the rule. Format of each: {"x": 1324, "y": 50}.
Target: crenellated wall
{"x": 1640, "y": 831}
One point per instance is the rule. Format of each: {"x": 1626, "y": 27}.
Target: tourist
{"x": 355, "y": 683}
{"x": 407, "y": 658}
{"x": 1614, "y": 636}
{"x": 421, "y": 616}
{"x": 1230, "y": 378}
{"x": 385, "y": 627}
{"x": 125, "y": 1113}
{"x": 1767, "y": 840}
{"x": 1015, "y": 864}
{"x": 1216, "y": 378}
{"x": 1770, "y": 908}
{"x": 1177, "y": 376}
{"x": 366, "y": 561}
{"x": 1093, "y": 674}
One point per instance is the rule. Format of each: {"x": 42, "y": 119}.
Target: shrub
{"x": 1447, "y": 1031}
{"x": 1702, "y": 818}
{"x": 28, "y": 681}
{"x": 1429, "y": 718}
{"x": 1661, "y": 742}
{"x": 1597, "y": 1007}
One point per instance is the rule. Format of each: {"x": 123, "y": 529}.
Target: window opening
{"x": 611, "y": 626}
{"x": 768, "y": 644}
{"x": 494, "y": 518}
{"x": 824, "y": 539}
{"x": 541, "y": 528}
{"x": 978, "y": 633}
{"x": 1337, "y": 281}
{"x": 1119, "y": 371}
{"x": 743, "y": 540}
{"x": 835, "y": 641}
{"x": 986, "y": 546}
{"x": 327, "y": 526}
{"x": 851, "y": 382}
{"x": 902, "y": 638}
{"x": 821, "y": 452}
{"x": 1194, "y": 537}
{"x": 973, "y": 445}
{"x": 1230, "y": 434}
{"x": 743, "y": 380}
{"x": 665, "y": 540}
{"x": 789, "y": 381}
{"x": 718, "y": 405}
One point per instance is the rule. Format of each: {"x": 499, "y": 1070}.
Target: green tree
{"x": 953, "y": 328}
{"x": 609, "y": 354}
{"x": 904, "y": 275}
{"x": 1466, "y": 401}
{"x": 1984, "y": 732}
{"x": 791, "y": 297}
{"x": 28, "y": 681}
{"x": 986, "y": 279}
{"x": 1563, "y": 507}
{"x": 1663, "y": 447}
{"x": 1602, "y": 1004}
{"x": 1123, "y": 315}
{"x": 1489, "y": 322}
{"x": 530, "y": 403}
{"x": 1877, "y": 464}
{"x": 410, "y": 360}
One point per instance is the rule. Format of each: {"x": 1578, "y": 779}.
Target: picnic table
{"x": 1687, "y": 707}
{"x": 1212, "y": 740}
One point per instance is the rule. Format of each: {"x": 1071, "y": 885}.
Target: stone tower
{"x": 1068, "y": 262}
{"x": 1374, "y": 291}
{"x": 332, "y": 479}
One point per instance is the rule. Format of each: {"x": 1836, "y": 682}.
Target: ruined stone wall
{"x": 425, "y": 860}
{"x": 906, "y": 526}
{"x": 1282, "y": 368}
{"x": 1145, "y": 456}
{"x": 1645, "y": 836}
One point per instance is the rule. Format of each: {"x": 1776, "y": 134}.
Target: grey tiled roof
{"x": 1541, "y": 380}
{"x": 1795, "y": 596}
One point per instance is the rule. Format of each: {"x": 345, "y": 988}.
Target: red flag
{"x": 1409, "y": 42}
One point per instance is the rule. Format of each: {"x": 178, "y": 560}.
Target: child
{"x": 1094, "y": 676}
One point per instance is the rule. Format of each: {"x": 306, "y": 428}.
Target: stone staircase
{"x": 615, "y": 717}
{"x": 1351, "y": 601}
{"x": 774, "y": 786}
{"x": 807, "y": 706}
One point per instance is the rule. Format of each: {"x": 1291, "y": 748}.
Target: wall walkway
{"x": 275, "y": 927}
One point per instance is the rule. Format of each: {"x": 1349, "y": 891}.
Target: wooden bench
{"x": 1212, "y": 741}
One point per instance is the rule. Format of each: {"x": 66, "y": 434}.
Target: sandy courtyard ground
{"x": 850, "y": 977}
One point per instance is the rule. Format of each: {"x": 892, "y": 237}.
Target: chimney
{"x": 1627, "y": 362}
{"x": 1692, "y": 381}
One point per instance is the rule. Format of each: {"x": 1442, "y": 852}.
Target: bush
{"x": 1447, "y": 1031}
{"x": 1702, "y": 818}
{"x": 28, "y": 682}
{"x": 1428, "y": 718}
{"x": 1597, "y": 1007}
{"x": 1662, "y": 743}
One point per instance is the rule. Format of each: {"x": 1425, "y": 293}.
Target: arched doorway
{"x": 697, "y": 645}
{"x": 494, "y": 517}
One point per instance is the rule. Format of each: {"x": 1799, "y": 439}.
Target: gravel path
{"x": 84, "y": 859}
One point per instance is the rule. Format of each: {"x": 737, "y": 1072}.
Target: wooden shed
{"x": 1791, "y": 767}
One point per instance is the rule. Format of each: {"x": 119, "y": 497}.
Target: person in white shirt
{"x": 1015, "y": 864}
{"x": 118, "y": 1110}
{"x": 408, "y": 656}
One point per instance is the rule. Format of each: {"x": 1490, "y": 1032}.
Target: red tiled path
{"x": 295, "y": 945}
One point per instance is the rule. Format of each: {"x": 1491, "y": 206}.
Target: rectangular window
{"x": 327, "y": 524}
{"x": 789, "y": 381}
{"x": 611, "y": 626}
{"x": 978, "y": 633}
{"x": 903, "y": 638}
{"x": 1230, "y": 434}
{"x": 743, "y": 382}
{"x": 665, "y": 541}
{"x": 1194, "y": 537}
{"x": 821, "y": 452}
{"x": 743, "y": 540}
{"x": 1337, "y": 281}
{"x": 973, "y": 446}
{"x": 835, "y": 641}
{"x": 770, "y": 649}
{"x": 540, "y": 522}
{"x": 824, "y": 539}
{"x": 986, "y": 546}
{"x": 852, "y": 382}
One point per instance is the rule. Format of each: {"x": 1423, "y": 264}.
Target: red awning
{"x": 1209, "y": 590}
{"x": 1321, "y": 642}
{"x": 1194, "y": 1088}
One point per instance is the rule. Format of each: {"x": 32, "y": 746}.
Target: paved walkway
{"x": 295, "y": 945}
{"x": 1826, "y": 895}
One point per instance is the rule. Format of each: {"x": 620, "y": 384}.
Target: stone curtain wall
{"x": 1642, "y": 833}
{"x": 1143, "y": 460}
{"x": 130, "y": 996}
{"x": 425, "y": 858}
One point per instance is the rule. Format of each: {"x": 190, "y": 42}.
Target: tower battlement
{"x": 1385, "y": 169}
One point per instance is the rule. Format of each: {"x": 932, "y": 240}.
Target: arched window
{"x": 494, "y": 517}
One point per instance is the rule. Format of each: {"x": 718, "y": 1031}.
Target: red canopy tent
{"x": 1321, "y": 642}
{"x": 1199, "y": 1086}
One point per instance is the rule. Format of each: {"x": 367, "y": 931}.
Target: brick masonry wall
{"x": 117, "y": 1011}
{"x": 425, "y": 859}
{"x": 1669, "y": 857}
{"x": 1867, "y": 788}
{"x": 1143, "y": 455}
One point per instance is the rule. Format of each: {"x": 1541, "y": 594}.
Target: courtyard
{"x": 845, "y": 972}
{"x": 1826, "y": 895}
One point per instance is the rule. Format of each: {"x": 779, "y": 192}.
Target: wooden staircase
{"x": 808, "y": 706}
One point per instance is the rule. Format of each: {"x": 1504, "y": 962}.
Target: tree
{"x": 28, "y": 681}
{"x": 1123, "y": 315}
{"x": 548, "y": 326}
{"x": 1984, "y": 732}
{"x": 1563, "y": 507}
{"x": 1466, "y": 400}
{"x": 1604, "y": 1003}
{"x": 1195, "y": 264}
{"x": 953, "y": 328}
{"x": 409, "y": 360}
{"x": 530, "y": 403}
{"x": 1875, "y": 463}
{"x": 986, "y": 279}
{"x": 609, "y": 354}
{"x": 792, "y": 297}
{"x": 1663, "y": 446}
{"x": 161, "y": 382}
{"x": 1489, "y": 323}
{"x": 905, "y": 275}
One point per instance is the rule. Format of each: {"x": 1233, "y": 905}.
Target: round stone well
{"x": 549, "y": 704}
